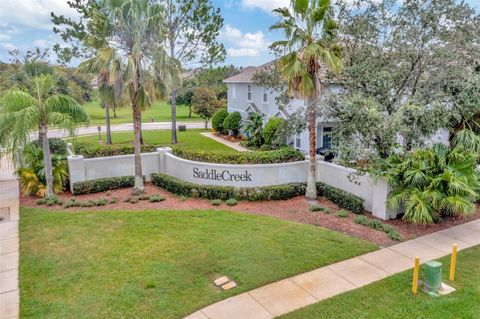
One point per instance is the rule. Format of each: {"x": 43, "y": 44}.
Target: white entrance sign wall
{"x": 163, "y": 161}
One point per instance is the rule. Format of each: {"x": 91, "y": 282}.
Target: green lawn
{"x": 159, "y": 264}
{"x": 191, "y": 139}
{"x": 392, "y": 298}
{"x": 159, "y": 112}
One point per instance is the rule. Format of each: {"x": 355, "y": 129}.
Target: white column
{"x": 76, "y": 169}
{"x": 161, "y": 157}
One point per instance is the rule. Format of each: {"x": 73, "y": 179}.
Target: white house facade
{"x": 244, "y": 96}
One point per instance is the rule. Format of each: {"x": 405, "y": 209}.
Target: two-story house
{"x": 246, "y": 97}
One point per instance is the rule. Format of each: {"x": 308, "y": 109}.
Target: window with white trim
{"x": 249, "y": 92}
{"x": 265, "y": 94}
{"x": 298, "y": 141}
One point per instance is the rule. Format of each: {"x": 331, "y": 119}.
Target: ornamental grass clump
{"x": 428, "y": 184}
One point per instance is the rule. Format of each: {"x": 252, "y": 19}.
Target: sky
{"x": 25, "y": 24}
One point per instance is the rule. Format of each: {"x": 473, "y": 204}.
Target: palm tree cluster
{"x": 433, "y": 182}
{"x": 128, "y": 38}
{"x": 37, "y": 106}
{"x": 307, "y": 54}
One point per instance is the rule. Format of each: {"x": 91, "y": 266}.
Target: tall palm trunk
{"x": 311, "y": 192}
{"x": 174, "y": 88}
{"x": 47, "y": 160}
{"x": 114, "y": 111}
{"x": 141, "y": 132}
{"x": 137, "y": 131}
{"x": 107, "y": 122}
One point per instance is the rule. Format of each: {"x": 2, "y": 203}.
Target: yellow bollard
{"x": 416, "y": 269}
{"x": 453, "y": 262}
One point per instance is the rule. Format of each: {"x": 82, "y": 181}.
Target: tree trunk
{"x": 190, "y": 110}
{"x": 174, "y": 89}
{"x": 137, "y": 118}
{"x": 47, "y": 161}
{"x": 107, "y": 122}
{"x": 311, "y": 192}
{"x": 114, "y": 111}
{"x": 141, "y": 133}
{"x": 206, "y": 124}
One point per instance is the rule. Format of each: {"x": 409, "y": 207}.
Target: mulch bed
{"x": 295, "y": 209}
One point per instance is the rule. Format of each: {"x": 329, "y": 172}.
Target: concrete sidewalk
{"x": 9, "y": 244}
{"x": 235, "y": 145}
{"x": 296, "y": 292}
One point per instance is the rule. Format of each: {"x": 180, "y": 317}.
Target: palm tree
{"x": 22, "y": 112}
{"x": 309, "y": 52}
{"x": 134, "y": 40}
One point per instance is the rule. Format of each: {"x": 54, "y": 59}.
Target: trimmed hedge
{"x": 89, "y": 150}
{"x": 342, "y": 198}
{"x": 278, "y": 192}
{"x": 233, "y": 122}
{"x": 182, "y": 188}
{"x": 283, "y": 155}
{"x": 103, "y": 184}
{"x": 218, "y": 119}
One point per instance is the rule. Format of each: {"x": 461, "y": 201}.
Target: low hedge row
{"x": 102, "y": 184}
{"x": 277, "y": 192}
{"x": 340, "y": 197}
{"x": 182, "y": 188}
{"x": 283, "y": 155}
{"x": 89, "y": 150}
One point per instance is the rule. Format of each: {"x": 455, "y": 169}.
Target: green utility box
{"x": 433, "y": 276}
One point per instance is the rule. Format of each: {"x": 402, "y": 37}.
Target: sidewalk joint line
{"x": 293, "y": 282}
{"x": 261, "y": 305}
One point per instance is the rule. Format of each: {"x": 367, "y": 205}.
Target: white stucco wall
{"x": 235, "y": 175}
{"x": 373, "y": 192}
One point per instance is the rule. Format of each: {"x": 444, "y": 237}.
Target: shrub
{"x": 378, "y": 225}
{"x": 216, "y": 202}
{"x": 132, "y": 199}
{"x": 32, "y": 175}
{"x": 103, "y": 184}
{"x": 89, "y": 150}
{"x": 182, "y": 188}
{"x": 231, "y": 202}
{"x": 283, "y": 155}
{"x": 342, "y": 214}
{"x": 233, "y": 123}
{"x": 156, "y": 198}
{"x": 50, "y": 201}
{"x": 57, "y": 145}
{"x": 113, "y": 200}
{"x": 341, "y": 198}
{"x": 271, "y": 130}
{"x": 433, "y": 182}
{"x": 318, "y": 208}
{"x": 144, "y": 197}
{"x": 72, "y": 202}
{"x": 218, "y": 119}
{"x": 254, "y": 130}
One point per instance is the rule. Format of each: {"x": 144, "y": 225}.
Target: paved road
{"x": 125, "y": 127}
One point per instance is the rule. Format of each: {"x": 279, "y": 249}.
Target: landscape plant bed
{"x": 294, "y": 209}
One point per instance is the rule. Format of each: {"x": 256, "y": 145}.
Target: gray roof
{"x": 247, "y": 73}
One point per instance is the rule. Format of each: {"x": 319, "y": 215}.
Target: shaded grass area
{"x": 191, "y": 139}
{"x": 159, "y": 264}
{"x": 159, "y": 112}
{"x": 392, "y": 298}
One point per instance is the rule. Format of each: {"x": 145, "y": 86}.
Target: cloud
{"x": 8, "y": 46}
{"x": 4, "y": 37}
{"x": 243, "y": 44}
{"x": 41, "y": 43}
{"x": 33, "y": 13}
{"x": 265, "y": 5}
